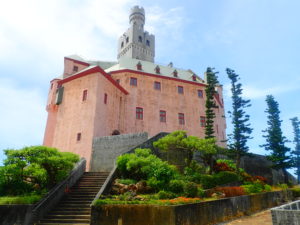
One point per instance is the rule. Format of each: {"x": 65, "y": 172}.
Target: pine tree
{"x": 275, "y": 141}
{"x": 296, "y": 152}
{"x": 210, "y": 104}
{"x": 240, "y": 120}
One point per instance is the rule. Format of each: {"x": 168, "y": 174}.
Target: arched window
{"x": 140, "y": 39}
{"x": 194, "y": 77}
{"x": 122, "y": 44}
{"x": 175, "y": 73}
{"x": 139, "y": 66}
{"x": 127, "y": 39}
{"x": 148, "y": 43}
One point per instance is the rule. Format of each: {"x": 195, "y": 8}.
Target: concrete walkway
{"x": 261, "y": 218}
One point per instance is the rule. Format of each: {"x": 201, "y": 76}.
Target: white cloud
{"x": 251, "y": 92}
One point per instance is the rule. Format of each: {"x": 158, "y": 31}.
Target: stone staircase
{"x": 75, "y": 208}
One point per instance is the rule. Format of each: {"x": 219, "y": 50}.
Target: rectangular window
{"x": 162, "y": 116}
{"x": 84, "y": 95}
{"x": 133, "y": 81}
{"x": 75, "y": 68}
{"x": 180, "y": 89}
{"x": 181, "y": 118}
{"x": 202, "y": 121}
{"x": 78, "y": 138}
{"x": 139, "y": 113}
{"x": 200, "y": 93}
{"x": 105, "y": 98}
{"x": 157, "y": 85}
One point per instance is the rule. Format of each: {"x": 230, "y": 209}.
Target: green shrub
{"x": 176, "y": 186}
{"x": 201, "y": 193}
{"x": 267, "y": 187}
{"x": 255, "y": 187}
{"x": 208, "y": 181}
{"x": 30, "y": 199}
{"x": 190, "y": 189}
{"x": 283, "y": 186}
{"x": 225, "y": 177}
{"x": 126, "y": 181}
{"x": 142, "y": 165}
{"x": 165, "y": 195}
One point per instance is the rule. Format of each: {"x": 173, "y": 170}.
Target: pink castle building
{"x": 134, "y": 94}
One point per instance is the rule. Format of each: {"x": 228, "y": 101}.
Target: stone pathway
{"x": 261, "y": 218}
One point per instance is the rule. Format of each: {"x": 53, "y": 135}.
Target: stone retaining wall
{"x": 286, "y": 214}
{"x": 202, "y": 213}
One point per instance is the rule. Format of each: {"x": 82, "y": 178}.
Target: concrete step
{"x": 67, "y": 217}
{"x": 71, "y": 212}
{"x": 68, "y": 209}
{"x": 60, "y": 223}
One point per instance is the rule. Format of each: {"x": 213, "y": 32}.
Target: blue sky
{"x": 259, "y": 39}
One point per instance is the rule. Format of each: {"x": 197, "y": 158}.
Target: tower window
{"x": 180, "y": 89}
{"x": 157, "y": 70}
{"x": 175, "y": 73}
{"x": 75, "y": 68}
{"x": 148, "y": 43}
{"x": 202, "y": 121}
{"x": 127, "y": 39}
{"x": 162, "y": 116}
{"x": 139, "y": 66}
{"x": 78, "y": 138}
{"x": 181, "y": 118}
{"x": 200, "y": 93}
{"x": 122, "y": 44}
{"x": 84, "y": 95}
{"x": 105, "y": 98}
{"x": 133, "y": 81}
{"x": 139, "y": 113}
{"x": 157, "y": 85}
{"x": 140, "y": 39}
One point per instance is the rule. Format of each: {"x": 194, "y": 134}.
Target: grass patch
{"x": 10, "y": 200}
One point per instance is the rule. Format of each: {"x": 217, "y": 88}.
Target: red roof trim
{"x": 94, "y": 70}
{"x": 159, "y": 76}
{"x": 77, "y": 61}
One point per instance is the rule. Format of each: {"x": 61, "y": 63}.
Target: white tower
{"x": 135, "y": 42}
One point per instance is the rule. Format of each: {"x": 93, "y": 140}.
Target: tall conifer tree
{"x": 240, "y": 120}
{"x": 210, "y": 104}
{"x": 275, "y": 141}
{"x": 296, "y": 152}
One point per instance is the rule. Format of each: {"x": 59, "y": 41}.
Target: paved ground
{"x": 261, "y": 218}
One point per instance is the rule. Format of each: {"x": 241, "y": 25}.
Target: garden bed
{"x": 202, "y": 213}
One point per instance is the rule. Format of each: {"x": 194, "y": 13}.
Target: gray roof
{"x": 147, "y": 67}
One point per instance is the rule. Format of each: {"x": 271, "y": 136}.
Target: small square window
{"x": 181, "y": 118}
{"x": 202, "y": 121}
{"x": 162, "y": 116}
{"x": 78, "y": 138}
{"x": 75, "y": 68}
{"x": 133, "y": 81}
{"x": 139, "y": 113}
{"x": 200, "y": 93}
{"x": 180, "y": 89}
{"x": 157, "y": 85}
{"x": 84, "y": 95}
{"x": 105, "y": 98}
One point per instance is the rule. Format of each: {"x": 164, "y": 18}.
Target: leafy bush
{"x": 193, "y": 172}
{"x": 127, "y": 181}
{"x": 165, "y": 195}
{"x": 283, "y": 186}
{"x": 190, "y": 189}
{"x": 222, "y": 166}
{"x": 208, "y": 181}
{"x": 142, "y": 165}
{"x": 34, "y": 168}
{"x": 176, "y": 186}
{"x": 30, "y": 199}
{"x": 267, "y": 187}
{"x": 225, "y": 177}
{"x": 200, "y": 192}
{"x": 230, "y": 191}
{"x": 255, "y": 187}
{"x": 260, "y": 178}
